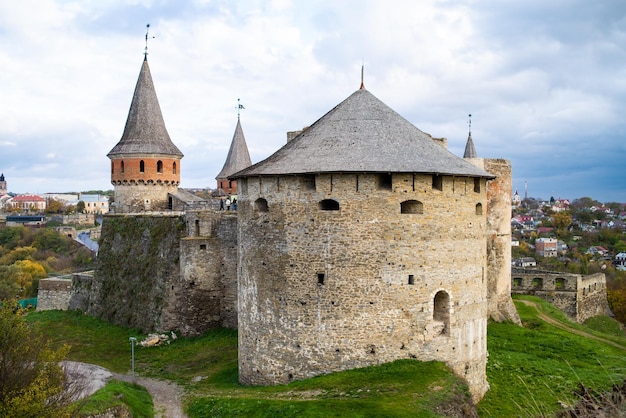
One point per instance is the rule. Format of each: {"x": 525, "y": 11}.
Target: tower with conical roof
{"x": 3, "y": 185}
{"x": 362, "y": 241}
{"x": 145, "y": 163}
{"x": 238, "y": 158}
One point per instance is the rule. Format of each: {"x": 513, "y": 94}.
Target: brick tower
{"x": 145, "y": 163}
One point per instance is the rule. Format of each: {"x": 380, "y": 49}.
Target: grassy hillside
{"x": 532, "y": 370}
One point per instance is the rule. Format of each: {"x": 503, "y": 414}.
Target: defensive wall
{"x": 580, "y": 297}
{"x": 70, "y": 291}
{"x": 167, "y": 271}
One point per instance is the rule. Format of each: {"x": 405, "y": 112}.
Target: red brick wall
{"x": 132, "y": 172}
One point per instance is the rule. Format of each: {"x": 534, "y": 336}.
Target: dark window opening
{"x": 437, "y": 182}
{"x": 411, "y": 279}
{"x": 441, "y": 311}
{"x": 479, "y": 209}
{"x": 112, "y": 167}
{"x": 477, "y": 185}
{"x": 329, "y": 204}
{"x": 159, "y": 166}
{"x": 320, "y": 278}
{"x": 170, "y": 203}
{"x": 122, "y": 166}
{"x": 411, "y": 206}
{"x": 203, "y": 246}
{"x": 174, "y": 168}
{"x": 384, "y": 181}
{"x": 560, "y": 283}
{"x": 517, "y": 281}
{"x": 537, "y": 282}
{"x": 142, "y": 166}
{"x": 197, "y": 228}
{"x": 308, "y": 182}
{"x": 261, "y": 205}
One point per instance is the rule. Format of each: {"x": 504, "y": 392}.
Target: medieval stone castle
{"x": 361, "y": 241}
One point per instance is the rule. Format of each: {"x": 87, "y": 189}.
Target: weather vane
{"x": 145, "y": 52}
{"x": 470, "y": 123}
{"x": 239, "y": 107}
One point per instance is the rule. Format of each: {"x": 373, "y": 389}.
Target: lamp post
{"x": 132, "y": 356}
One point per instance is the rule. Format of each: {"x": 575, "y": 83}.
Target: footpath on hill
{"x": 559, "y": 324}
{"x": 166, "y": 396}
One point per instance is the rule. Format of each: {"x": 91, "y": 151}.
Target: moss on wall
{"x": 138, "y": 261}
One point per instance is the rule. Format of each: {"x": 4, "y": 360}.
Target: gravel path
{"x": 165, "y": 395}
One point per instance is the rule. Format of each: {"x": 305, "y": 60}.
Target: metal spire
{"x": 239, "y": 107}
{"x": 145, "y": 51}
{"x": 362, "y": 82}
{"x": 470, "y": 124}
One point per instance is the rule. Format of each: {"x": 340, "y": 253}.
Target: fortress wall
{"x": 208, "y": 290}
{"x": 592, "y": 296}
{"x": 136, "y": 270}
{"x": 54, "y": 293}
{"x": 329, "y": 290}
{"x": 133, "y": 198}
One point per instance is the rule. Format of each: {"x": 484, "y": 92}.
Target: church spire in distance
{"x": 470, "y": 151}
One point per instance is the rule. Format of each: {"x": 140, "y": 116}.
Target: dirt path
{"x": 165, "y": 395}
{"x": 566, "y": 327}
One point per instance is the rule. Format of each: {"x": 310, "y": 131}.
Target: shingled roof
{"x": 470, "y": 151}
{"x": 145, "y": 131}
{"x": 362, "y": 134}
{"x": 238, "y": 156}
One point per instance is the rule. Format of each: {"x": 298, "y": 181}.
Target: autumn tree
{"x": 54, "y": 206}
{"x": 562, "y": 220}
{"x": 80, "y": 206}
{"x": 32, "y": 381}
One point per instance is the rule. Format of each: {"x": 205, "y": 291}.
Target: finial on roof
{"x": 145, "y": 51}
{"x": 362, "y": 82}
{"x": 470, "y": 150}
{"x": 239, "y": 107}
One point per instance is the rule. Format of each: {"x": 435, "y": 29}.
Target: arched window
{"x": 479, "y": 208}
{"x": 261, "y": 205}
{"x": 122, "y": 164}
{"x": 142, "y": 166}
{"x": 159, "y": 166}
{"x": 441, "y": 310}
{"x": 411, "y": 206}
{"x": 174, "y": 168}
{"x": 112, "y": 167}
{"x": 329, "y": 204}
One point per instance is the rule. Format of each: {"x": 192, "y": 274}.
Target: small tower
{"x": 145, "y": 163}
{"x": 238, "y": 158}
{"x": 3, "y": 185}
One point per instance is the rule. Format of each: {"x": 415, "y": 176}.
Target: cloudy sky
{"x": 545, "y": 81}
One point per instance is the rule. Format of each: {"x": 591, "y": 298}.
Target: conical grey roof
{"x": 238, "y": 156}
{"x": 362, "y": 134}
{"x": 145, "y": 131}
{"x": 470, "y": 151}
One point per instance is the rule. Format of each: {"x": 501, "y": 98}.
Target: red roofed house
{"x": 28, "y": 202}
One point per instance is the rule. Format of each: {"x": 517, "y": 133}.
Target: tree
{"x": 561, "y": 221}
{"x": 32, "y": 380}
{"x": 54, "y": 206}
{"x": 80, "y": 206}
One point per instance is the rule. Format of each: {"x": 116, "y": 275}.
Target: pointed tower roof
{"x": 2, "y": 177}
{"x": 470, "y": 151}
{"x": 362, "y": 134}
{"x": 238, "y": 156}
{"x": 145, "y": 131}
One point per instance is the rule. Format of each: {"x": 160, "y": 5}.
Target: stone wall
{"x": 137, "y": 268}
{"x": 167, "y": 271}
{"x": 54, "y": 293}
{"x": 142, "y": 197}
{"x": 345, "y": 271}
{"x": 64, "y": 292}
{"x": 579, "y": 297}
{"x": 207, "y": 293}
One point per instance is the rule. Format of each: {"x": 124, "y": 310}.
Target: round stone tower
{"x": 145, "y": 163}
{"x": 361, "y": 241}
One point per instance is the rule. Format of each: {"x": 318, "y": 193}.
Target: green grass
{"x": 531, "y": 369}
{"x": 535, "y": 368}
{"x": 605, "y": 325}
{"x": 115, "y": 393}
